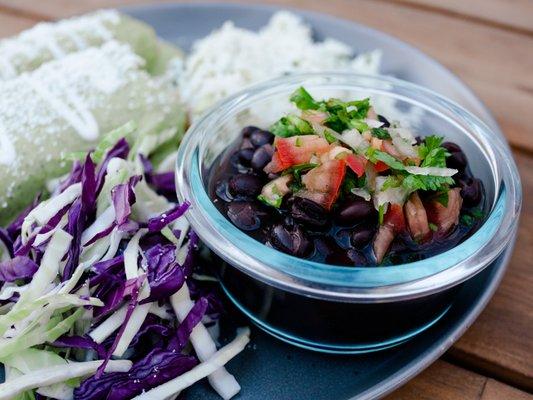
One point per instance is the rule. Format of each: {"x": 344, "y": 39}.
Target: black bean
{"x": 245, "y": 215}
{"x": 262, "y": 157}
{"x": 354, "y": 211}
{"x": 221, "y": 191}
{"x": 245, "y": 156}
{"x": 308, "y": 212}
{"x": 419, "y": 140}
{"x": 290, "y": 240}
{"x": 362, "y": 235}
{"x": 457, "y": 160}
{"x": 452, "y": 147}
{"x": 471, "y": 191}
{"x": 384, "y": 121}
{"x": 246, "y": 144}
{"x": 261, "y": 137}
{"x": 248, "y": 130}
{"x": 357, "y": 258}
{"x": 245, "y": 185}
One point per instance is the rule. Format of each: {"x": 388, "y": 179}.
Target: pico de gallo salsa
{"x": 337, "y": 183}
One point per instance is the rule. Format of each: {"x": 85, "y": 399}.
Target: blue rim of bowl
{"x": 341, "y": 283}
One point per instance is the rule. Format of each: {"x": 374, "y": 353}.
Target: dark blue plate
{"x": 270, "y": 369}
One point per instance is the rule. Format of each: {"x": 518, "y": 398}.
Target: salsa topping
{"x": 337, "y": 168}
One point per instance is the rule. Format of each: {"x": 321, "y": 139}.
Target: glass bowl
{"x": 334, "y": 308}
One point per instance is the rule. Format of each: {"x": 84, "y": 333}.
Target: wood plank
{"x": 445, "y": 381}
{"x": 496, "y": 63}
{"x": 495, "y": 390}
{"x": 10, "y": 25}
{"x": 515, "y": 14}
{"x": 500, "y": 343}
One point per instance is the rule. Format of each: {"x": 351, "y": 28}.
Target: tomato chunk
{"x": 356, "y": 163}
{"x": 323, "y": 183}
{"x": 393, "y": 223}
{"x": 380, "y": 166}
{"x": 395, "y": 218}
{"x": 296, "y": 150}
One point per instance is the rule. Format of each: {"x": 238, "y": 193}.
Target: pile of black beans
{"x": 303, "y": 228}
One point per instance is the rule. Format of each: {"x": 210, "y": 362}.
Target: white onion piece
{"x": 403, "y": 140}
{"x": 433, "y": 171}
{"x": 354, "y": 139}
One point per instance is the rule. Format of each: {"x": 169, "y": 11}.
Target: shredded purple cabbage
{"x": 134, "y": 294}
{"x": 79, "y": 342}
{"x": 123, "y": 197}
{"x": 165, "y": 276}
{"x": 19, "y": 267}
{"x": 159, "y": 222}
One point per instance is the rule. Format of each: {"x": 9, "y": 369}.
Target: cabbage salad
{"x": 97, "y": 295}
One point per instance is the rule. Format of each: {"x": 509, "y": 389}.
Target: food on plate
{"x": 48, "y": 41}
{"x": 66, "y": 105}
{"x": 338, "y": 183}
{"x": 97, "y": 294}
{"x": 232, "y": 58}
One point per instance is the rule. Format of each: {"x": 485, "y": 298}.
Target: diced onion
{"x": 433, "y": 171}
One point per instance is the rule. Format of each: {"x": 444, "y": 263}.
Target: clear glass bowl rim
{"x": 359, "y": 284}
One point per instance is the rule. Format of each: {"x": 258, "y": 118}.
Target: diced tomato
{"x": 296, "y": 150}
{"x": 389, "y": 148}
{"x": 393, "y": 223}
{"x": 323, "y": 183}
{"x": 380, "y": 166}
{"x": 276, "y": 165}
{"x": 445, "y": 217}
{"x": 394, "y": 218}
{"x": 356, "y": 163}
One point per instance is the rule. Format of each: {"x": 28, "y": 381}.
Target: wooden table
{"x": 489, "y": 44}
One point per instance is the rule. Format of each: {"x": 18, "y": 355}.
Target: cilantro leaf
{"x": 381, "y": 213}
{"x": 391, "y": 182}
{"x": 303, "y": 100}
{"x": 380, "y": 133}
{"x": 431, "y": 152}
{"x": 291, "y": 125}
{"x": 297, "y": 170}
{"x": 375, "y": 155}
{"x": 413, "y": 183}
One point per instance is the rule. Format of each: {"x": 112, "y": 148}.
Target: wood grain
{"x": 500, "y": 343}
{"x": 444, "y": 381}
{"x": 514, "y": 15}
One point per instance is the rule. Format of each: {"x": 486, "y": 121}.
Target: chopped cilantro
{"x": 291, "y": 125}
{"x": 431, "y": 152}
{"x": 442, "y": 198}
{"x": 351, "y": 181}
{"x": 413, "y": 183}
{"x": 433, "y": 227}
{"x": 381, "y": 213}
{"x": 469, "y": 218}
{"x": 380, "y": 133}
{"x": 297, "y": 170}
{"x": 375, "y": 155}
{"x": 303, "y": 100}
{"x": 391, "y": 182}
